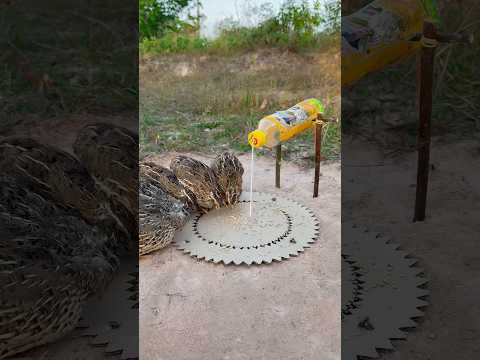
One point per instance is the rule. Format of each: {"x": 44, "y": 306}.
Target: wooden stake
{"x": 425, "y": 69}
{"x": 318, "y": 127}
{"x": 278, "y": 162}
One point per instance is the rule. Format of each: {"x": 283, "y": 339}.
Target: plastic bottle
{"x": 381, "y": 33}
{"x": 282, "y": 125}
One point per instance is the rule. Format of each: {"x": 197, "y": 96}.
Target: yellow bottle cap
{"x": 257, "y": 138}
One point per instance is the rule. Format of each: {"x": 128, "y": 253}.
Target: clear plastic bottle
{"x": 282, "y": 125}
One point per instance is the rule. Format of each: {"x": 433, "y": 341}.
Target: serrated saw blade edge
{"x": 300, "y": 224}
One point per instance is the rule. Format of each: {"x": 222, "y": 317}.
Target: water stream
{"x": 251, "y": 182}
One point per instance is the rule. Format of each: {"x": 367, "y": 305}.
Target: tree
{"x": 157, "y": 16}
{"x": 332, "y": 14}
{"x": 197, "y": 17}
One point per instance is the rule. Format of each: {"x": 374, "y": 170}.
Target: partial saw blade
{"x": 386, "y": 301}
{"x": 111, "y": 318}
{"x": 277, "y": 229}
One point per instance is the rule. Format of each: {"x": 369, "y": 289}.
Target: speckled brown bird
{"x": 51, "y": 260}
{"x": 39, "y": 228}
{"x": 110, "y": 154}
{"x": 228, "y": 171}
{"x": 53, "y": 173}
{"x": 59, "y": 230}
{"x": 200, "y": 180}
{"x": 167, "y": 181}
{"x": 164, "y": 207}
{"x": 59, "y": 176}
{"x": 50, "y": 308}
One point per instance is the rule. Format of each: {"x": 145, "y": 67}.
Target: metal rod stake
{"x": 278, "y": 162}
{"x": 425, "y": 67}
{"x": 318, "y": 155}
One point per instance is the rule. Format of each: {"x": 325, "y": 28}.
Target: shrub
{"x": 155, "y": 17}
{"x": 298, "y": 25}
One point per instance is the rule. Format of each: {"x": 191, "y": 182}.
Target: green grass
{"x": 240, "y": 40}
{"x": 172, "y": 43}
{"x": 297, "y": 26}
{"x": 212, "y": 134}
{"x": 195, "y": 133}
{"x": 209, "y": 103}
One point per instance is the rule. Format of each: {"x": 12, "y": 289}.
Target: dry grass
{"x": 204, "y": 102}
{"x": 244, "y": 84}
{"x": 458, "y": 80}
{"x": 67, "y": 58}
{"x": 456, "y": 100}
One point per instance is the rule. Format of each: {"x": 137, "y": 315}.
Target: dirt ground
{"x": 289, "y": 310}
{"x": 379, "y": 192}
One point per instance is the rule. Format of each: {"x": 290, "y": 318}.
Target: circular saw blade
{"x": 278, "y": 228}
{"x": 111, "y": 318}
{"x": 391, "y": 294}
{"x": 351, "y": 286}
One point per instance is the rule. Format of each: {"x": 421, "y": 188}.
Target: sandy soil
{"x": 379, "y": 192}
{"x": 290, "y": 310}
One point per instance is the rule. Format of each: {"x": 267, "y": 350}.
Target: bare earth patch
{"x": 446, "y": 244}
{"x": 289, "y": 310}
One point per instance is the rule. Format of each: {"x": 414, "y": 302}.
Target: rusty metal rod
{"x": 425, "y": 67}
{"x": 278, "y": 163}
{"x": 318, "y": 127}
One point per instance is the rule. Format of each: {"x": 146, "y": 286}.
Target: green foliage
{"x": 431, "y": 8}
{"x": 155, "y": 17}
{"x": 207, "y": 133}
{"x": 172, "y": 42}
{"x": 297, "y": 25}
{"x": 332, "y": 15}
{"x": 297, "y": 18}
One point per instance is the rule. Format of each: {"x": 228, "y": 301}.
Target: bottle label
{"x": 370, "y": 27}
{"x": 293, "y": 116}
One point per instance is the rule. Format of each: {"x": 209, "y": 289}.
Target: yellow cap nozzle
{"x": 317, "y": 104}
{"x": 257, "y": 138}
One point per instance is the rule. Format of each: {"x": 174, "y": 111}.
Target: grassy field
{"x": 236, "y": 39}
{"x": 67, "y": 58}
{"x": 209, "y": 102}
